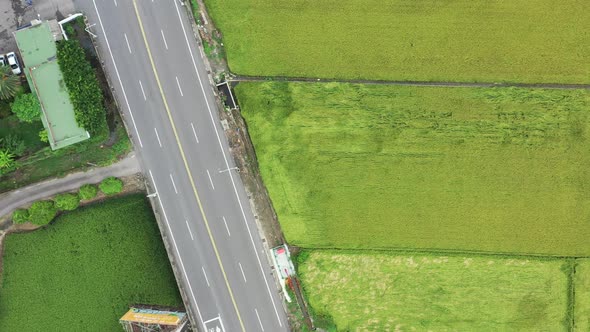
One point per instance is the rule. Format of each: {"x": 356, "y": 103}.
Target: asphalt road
{"x": 14, "y": 199}
{"x": 169, "y": 107}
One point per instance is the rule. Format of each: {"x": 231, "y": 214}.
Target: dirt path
{"x": 415, "y": 83}
{"x": 12, "y": 200}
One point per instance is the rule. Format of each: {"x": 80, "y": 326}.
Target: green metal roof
{"x": 36, "y": 44}
{"x": 38, "y": 50}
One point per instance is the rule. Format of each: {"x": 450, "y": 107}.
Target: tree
{"x": 43, "y": 137}
{"x": 111, "y": 186}
{"x": 20, "y": 216}
{"x": 67, "y": 202}
{"x": 42, "y": 212}
{"x": 88, "y": 191}
{"x": 6, "y": 159}
{"x": 26, "y": 107}
{"x": 8, "y": 83}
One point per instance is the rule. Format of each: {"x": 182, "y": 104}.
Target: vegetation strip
{"x": 84, "y": 269}
{"x": 448, "y": 84}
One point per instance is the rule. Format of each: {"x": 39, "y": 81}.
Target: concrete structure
{"x": 38, "y": 50}
{"x": 209, "y": 228}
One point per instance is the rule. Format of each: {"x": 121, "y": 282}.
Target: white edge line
{"x": 127, "y": 41}
{"x": 241, "y": 269}
{"x": 176, "y": 249}
{"x": 116, "y": 5}
{"x": 195, "y": 132}
{"x": 173, "y": 184}
{"x": 117, "y": 71}
{"x": 179, "y": 88}
{"x": 205, "y": 274}
{"x": 210, "y": 180}
{"x": 189, "y": 229}
{"x": 164, "y": 38}
{"x": 227, "y": 164}
{"x": 259, "y": 321}
{"x": 142, "y": 92}
{"x": 158, "y": 136}
{"x": 226, "y": 228}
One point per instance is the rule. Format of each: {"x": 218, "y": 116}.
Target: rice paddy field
{"x": 374, "y": 291}
{"x": 466, "y": 169}
{"x": 582, "y": 295}
{"x": 82, "y": 271}
{"x": 531, "y": 41}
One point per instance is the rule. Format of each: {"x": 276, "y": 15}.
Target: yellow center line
{"x": 186, "y": 166}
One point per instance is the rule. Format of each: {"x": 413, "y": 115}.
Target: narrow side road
{"x": 12, "y": 200}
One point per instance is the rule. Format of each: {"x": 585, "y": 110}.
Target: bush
{"x": 87, "y": 191}
{"x": 67, "y": 202}
{"x": 6, "y": 159}
{"x": 70, "y": 32}
{"x": 42, "y": 212}
{"x": 14, "y": 144}
{"x": 20, "y": 216}
{"x": 111, "y": 186}
{"x": 43, "y": 136}
{"x": 85, "y": 93}
{"x": 26, "y": 107}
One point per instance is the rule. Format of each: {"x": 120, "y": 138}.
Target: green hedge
{"x": 20, "y": 216}
{"x": 85, "y": 93}
{"x": 111, "y": 186}
{"x": 42, "y": 212}
{"x": 67, "y": 202}
{"x": 88, "y": 191}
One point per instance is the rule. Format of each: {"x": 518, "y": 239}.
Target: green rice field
{"x": 582, "y": 295}
{"x": 83, "y": 271}
{"x": 412, "y": 292}
{"x": 482, "y": 40}
{"x": 465, "y": 169}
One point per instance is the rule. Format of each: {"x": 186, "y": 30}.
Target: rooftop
{"x": 38, "y": 50}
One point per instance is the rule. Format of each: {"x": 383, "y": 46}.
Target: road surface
{"x": 14, "y": 199}
{"x": 169, "y": 107}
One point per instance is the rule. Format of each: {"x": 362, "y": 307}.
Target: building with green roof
{"x": 38, "y": 50}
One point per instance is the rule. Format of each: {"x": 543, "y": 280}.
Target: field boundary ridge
{"x": 447, "y": 84}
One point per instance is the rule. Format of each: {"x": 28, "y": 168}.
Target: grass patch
{"x": 28, "y": 132}
{"x": 582, "y": 296}
{"x": 84, "y": 270}
{"x": 386, "y": 292}
{"x": 45, "y": 163}
{"x": 515, "y": 41}
{"x": 495, "y": 170}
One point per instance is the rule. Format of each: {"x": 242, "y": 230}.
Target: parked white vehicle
{"x": 13, "y": 62}
{"x": 2, "y": 60}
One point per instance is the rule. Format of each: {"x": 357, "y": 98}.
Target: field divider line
{"x": 187, "y": 168}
